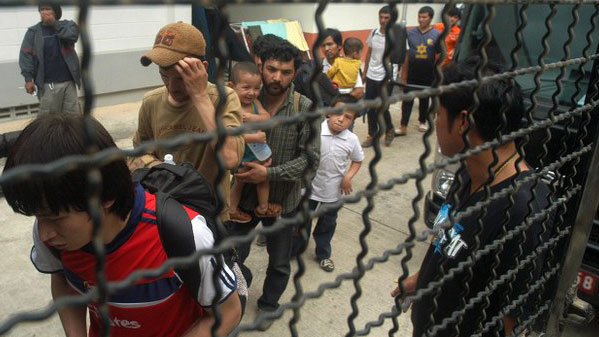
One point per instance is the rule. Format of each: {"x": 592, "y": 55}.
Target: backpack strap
{"x": 296, "y": 101}
{"x": 176, "y": 234}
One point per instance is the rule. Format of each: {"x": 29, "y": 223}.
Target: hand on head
{"x": 194, "y": 75}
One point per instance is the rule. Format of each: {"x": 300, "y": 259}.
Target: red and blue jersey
{"x": 161, "y": 306}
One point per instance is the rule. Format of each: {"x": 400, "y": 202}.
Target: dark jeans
{"x": 323, "y": 232}
{"x": 406, "y": 110}
{"x": 406, "y": 107}
{"x": 278, "y": 246}
{"x": 374, "y": 89}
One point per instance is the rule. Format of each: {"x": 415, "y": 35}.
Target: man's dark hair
{"x": 454, "y": 11}
{"x": 243, "y": 67}
{"x": 54, "y": 136}
{"x": 283, "y": 52}
{"x": 264, "y": 42}
{"x": 352, "y": 45}
{"x": 495, "y": 98}
{"x": 55, "y": 7}
{"x": 428, "y": 10}
{"x": 334, "y": 34}
{"x": 345, "y": 99}
{"x": 385, "y": 10}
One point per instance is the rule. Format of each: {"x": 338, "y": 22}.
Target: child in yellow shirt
{"x": 345, "y": 70}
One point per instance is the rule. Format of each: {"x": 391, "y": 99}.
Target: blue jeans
{"x": 278, "y": 246}
{"x": 323, "y": 232}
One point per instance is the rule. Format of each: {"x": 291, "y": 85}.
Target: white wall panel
{"x": 112, "y": 28}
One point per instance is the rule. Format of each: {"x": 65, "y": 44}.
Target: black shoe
{"x": 389, "y": 135}
{"x": 266, "y": 322}
{"x": 261, "y": 240}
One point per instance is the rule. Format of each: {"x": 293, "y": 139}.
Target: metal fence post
{"x": 577, "y": 244}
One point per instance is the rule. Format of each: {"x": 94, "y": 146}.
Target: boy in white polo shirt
{"x": 338, "y": 147}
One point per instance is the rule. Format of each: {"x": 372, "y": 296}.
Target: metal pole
{"x": 577, "y": 245}
{"x": 404, "y": 12}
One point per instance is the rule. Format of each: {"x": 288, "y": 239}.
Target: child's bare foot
{"x": 268, "y": 211}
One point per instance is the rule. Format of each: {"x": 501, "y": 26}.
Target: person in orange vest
{"x": 451, "y": 40}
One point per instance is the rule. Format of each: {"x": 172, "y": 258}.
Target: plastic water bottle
{"x": 168, "y": 159}
{"x": 261, "y": 151}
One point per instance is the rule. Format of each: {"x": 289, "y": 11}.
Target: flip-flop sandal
{"x": 240, "y": 217}
{"x": 273, "y": 210}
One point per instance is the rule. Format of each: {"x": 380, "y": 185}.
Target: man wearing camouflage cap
{"x": 187, "y": 104}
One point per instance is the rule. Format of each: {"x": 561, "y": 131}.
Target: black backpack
{"x": 303, "y": 86}
{"x": 174, "y": 186}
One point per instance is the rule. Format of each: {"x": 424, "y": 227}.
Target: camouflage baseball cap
{"x": 174, "y": 42}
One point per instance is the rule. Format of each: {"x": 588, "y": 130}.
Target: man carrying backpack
{"x": 132, "y": 229}
{"x": 375, "y": 75}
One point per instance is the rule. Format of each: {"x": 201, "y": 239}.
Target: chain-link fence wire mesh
{"x": 565, "y": 170}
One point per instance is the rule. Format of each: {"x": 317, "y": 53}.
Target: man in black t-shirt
{"x": 459, "y": 241}
{"x": 48, "y": 60}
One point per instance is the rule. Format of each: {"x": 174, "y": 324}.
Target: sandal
{"x": 273, "y": 210}
{"x": 239, "y": 216}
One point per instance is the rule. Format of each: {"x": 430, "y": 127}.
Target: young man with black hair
{"x": 331, "y": 48}
{"x": 62, "y": 234}
{"x": 187, "y": 104}
{"x": 264, "y": 42}
{"x": 451, "y": 40}
{"x": 48, "y": 60}
{"x": 303, "y": 76}
{"x": 455, "y": 243}
{"x": 375, "y": 74}
{"x": 419, "y": 66}
{"x": 290, "y": 158}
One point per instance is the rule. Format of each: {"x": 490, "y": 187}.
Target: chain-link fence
{"x": 549, "y": 49}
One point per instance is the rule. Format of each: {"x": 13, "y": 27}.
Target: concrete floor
{"x": 25, "y": 289}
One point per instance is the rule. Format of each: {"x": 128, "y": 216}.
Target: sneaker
{"x": 389, "y": 135}
{"x": 327, "y": 265}
{"x": 266, "y": 323}
{"x": 402, "y": 131}
{"x": 422, "y": 127}
{"x": 368, "y": 142}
